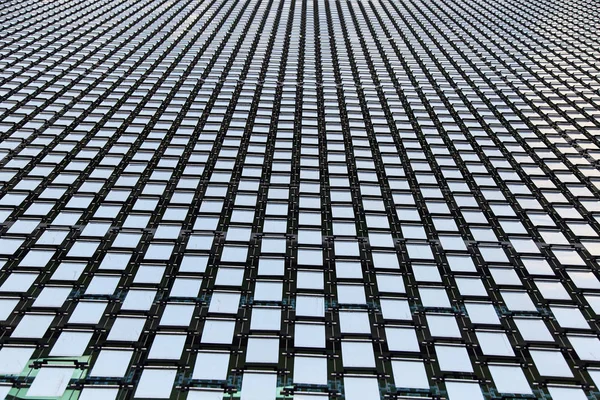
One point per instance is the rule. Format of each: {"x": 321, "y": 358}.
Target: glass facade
{"x": 295, "y": 199}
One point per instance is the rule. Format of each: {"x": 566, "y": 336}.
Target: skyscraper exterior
{"x": 299, "y": 199}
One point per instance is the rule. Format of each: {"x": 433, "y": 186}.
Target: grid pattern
{"x": 294, "y": 199}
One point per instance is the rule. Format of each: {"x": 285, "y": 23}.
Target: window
{"x": 505, "y": 276}
{"x": 217, "y": 331}
{"x": 494, "y": 344}
{"x": 385, "y": 260}
{"x": 402, "y": 339}
{"x": 395, "y": 309}
{"x": 567, "y": 393}
{"x": 569, "y": 317}
{"x": 33, "y": 326}
{"x": 71, "y": 344}
{"x": 152, "y": 274}
{"x": 138, "y": 300}
{"x": 88, "y": 312}
{"x": 443, "y": 326}
{"x": 14, "y": 359}
{"x": 434, "y": 297}
{"x": 510, "y": 379}
{"x": 410, "y": 374}
{"x": 518, "y": 301}
{"x": 193, "y": 263}
{"x": 551, "y": 363}
{"x": 234, "y": 254}
{"x": 389, "y": 283}
{"x": 36, "y": 258}
{"x": 262, "y": 350}
{"x": 586, "y": 347}
{"x": 18, "y": 282}
{"x": 116, "y": 261}
{"x": 358, "y": 354}
{"x": 211, "y": 365}
{"x": 470, "y": 287}
{"x": 310, "y": 370}
{"x": 155, "y": 383}
{"x": 167, "y": 347}
{"x": 102, "y": 285}
{"x": 310, "y": 280}
{"x": 351, "y": 294}
{"x": 50, "y": 382}
{"x": 584, "y": 279}
{"x": 309, "y": 335}
{"x": 259, "y": 386}
{"x": 268, "y": 291}
{"x": 223, "y": 302}
{"x": 265, "y": 319}
{"x": 6, "y": 308}
{"x": 354, "y": 322}
{"x": 363, "y": 388}
{"x": 462, "y": 390}
{"x": 111, "y": 363}
{"x": 126, "y": 329}
{"x": 461, "y": 263}
{"x": 310, "y": 306}
{"x": 185, "y": 287}
{"x": 271, "y": 266}
{"x": 177, "y": 315}
{"x": 453, "y": 358}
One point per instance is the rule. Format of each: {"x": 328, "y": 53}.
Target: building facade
{"x": 295, "y": 199}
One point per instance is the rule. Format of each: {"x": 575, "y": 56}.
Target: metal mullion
{"x": 214, "y": 95}
{"x": 132, "y": 151}
{"x": 366, "y": 261}
{"x": 332, "y": 344}
{"x": 465, "y": 171}
{"x": 436, "y": 170}
{"x": 386, "y": 195}
{"x": 180, "y": 243}
{"x": 241, "y": 339}
{"x": 243, "y": 148}
{"x": 411, "y": 286}
{"x": 288, "y": 313}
